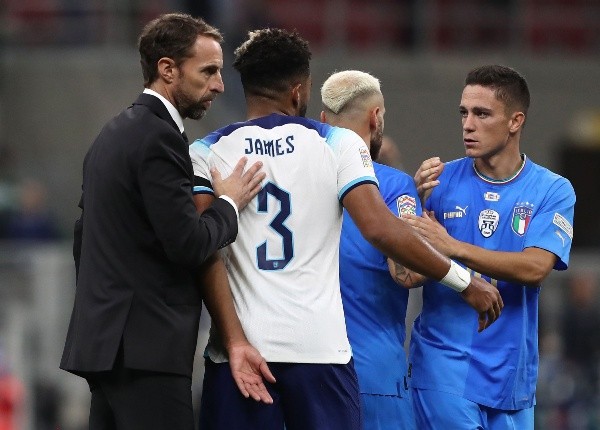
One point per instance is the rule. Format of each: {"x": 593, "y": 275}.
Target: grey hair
{"x": 341, "y": 88}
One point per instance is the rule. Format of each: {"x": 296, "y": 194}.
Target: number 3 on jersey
{"x": 276, "y": 224}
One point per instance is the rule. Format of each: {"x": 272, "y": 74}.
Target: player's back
{"x": 283, "y": 266}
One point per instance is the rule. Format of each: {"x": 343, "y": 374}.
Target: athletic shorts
{"x": 385, "y": 412}
{"x": 438, "y": 410}
{"x": 305, "y": 396}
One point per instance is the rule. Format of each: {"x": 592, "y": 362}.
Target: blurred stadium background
{"x": 67, "y": 66}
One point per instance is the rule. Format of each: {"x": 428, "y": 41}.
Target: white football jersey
{"x": 283, "y": 266}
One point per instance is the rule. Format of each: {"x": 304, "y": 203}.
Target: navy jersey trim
{"x": 269, "y": 122}
{"x": 353, "y": 186}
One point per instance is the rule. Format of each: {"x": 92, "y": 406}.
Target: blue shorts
{"x": 381, "y": 412}
{"x": 305, "y": 396}
{"x": 438, "y": 410}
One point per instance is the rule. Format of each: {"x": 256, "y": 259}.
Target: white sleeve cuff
{"x": 232, "y": 203}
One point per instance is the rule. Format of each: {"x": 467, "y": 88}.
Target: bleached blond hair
{"x": 342, "y": 88}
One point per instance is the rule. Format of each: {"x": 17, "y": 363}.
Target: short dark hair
{"x": 272, "y": 59}
{"x": 508, "y": 84}
{"x": 170, "y": 35}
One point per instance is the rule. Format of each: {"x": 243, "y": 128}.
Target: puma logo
{"x": 464, "y": 211}
{"x": 561, "y": 237}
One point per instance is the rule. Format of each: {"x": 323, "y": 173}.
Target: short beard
{"x": 189, "y": 108}
{"x": 302, "y": 110}
{"x": 194, "y": 112}
{"x": 376, "y": 141}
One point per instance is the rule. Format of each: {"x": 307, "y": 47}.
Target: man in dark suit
{"x": 141, "y": 248}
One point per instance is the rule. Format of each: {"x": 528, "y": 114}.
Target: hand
{"x": 239, "y": 186}
{"x": 485, "y": 299}
{"x": 426, "y": 177}
{"x": 434, "y": 232}
{"x": 248, "y": 368}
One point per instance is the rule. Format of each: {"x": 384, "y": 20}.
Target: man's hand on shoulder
{"x": 240, "y": 186}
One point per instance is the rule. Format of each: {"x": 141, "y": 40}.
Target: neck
{"x": 161, "y": 89}
{"x": 499, "y": 170}
{"x": 259, "y": 106}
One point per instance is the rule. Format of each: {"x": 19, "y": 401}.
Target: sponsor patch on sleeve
{"x": 562, "y": 223}
{"x": 407, "y": 205}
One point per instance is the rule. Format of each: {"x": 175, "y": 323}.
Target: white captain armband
{"x": 457, "y": 277}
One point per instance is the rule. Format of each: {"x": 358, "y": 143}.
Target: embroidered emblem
{"x": 491, "y": 197}
{"x": 488, "y": 222}
{"x": 407, "y": 205}
{"x": 366, "y": 157}
{"x": 521, "y": 217}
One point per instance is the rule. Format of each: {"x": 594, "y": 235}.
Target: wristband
{"x": 457, "y": 277}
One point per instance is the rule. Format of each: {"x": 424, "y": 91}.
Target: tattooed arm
{"x": 403, "y": 276}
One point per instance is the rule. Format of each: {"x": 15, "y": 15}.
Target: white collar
{"x": 174, "y": 112}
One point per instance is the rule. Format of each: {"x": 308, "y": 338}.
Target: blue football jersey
{"x": 375, "y": 305}
{"x": 497, "y": 367}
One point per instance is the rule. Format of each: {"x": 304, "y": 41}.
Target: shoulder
{"x": 455, "y": 172}
{"x": 392, "y": 175}
{"x": 458, "y": 166}
{"x": 546, "y": 177}
{"x": 397, "y": 187}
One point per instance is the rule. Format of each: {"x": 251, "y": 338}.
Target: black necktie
{"x": 185, "y": 137}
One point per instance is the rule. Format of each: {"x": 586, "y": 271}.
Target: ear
{"x": 373, "y": 114}
{"x": 296, "y": 96}
{"x": 323, "y": 116}
{"x": 516, "y": 122}
{"x": 167, "y": 69}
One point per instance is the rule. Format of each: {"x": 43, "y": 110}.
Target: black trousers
{"x": 130, "y": 399}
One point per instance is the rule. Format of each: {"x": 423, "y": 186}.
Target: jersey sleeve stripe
{"x": 356, "y": 183}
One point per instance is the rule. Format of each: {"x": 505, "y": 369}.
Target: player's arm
{"x": 404, "y": 203}
{"x": 248, "y": 367}
{"x": 403, "y": 276}
{"x": 530, "y": 266}
{"x": 398, "y": 240}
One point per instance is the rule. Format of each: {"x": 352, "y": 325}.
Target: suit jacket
{"x": 138, "y": 243}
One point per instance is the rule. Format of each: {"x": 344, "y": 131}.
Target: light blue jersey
{"x": 497, "y": 367}
{"x": 375, "y": 309}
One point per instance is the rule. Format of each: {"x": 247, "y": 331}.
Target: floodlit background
{"x": 67, "y": 66}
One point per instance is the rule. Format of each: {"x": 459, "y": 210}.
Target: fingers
{"x": 483, "y": 323}
{"x": 259, "y": 393}
{"x": 242, "y": 387}
{"x": 429, "y": 185}
{"x": 266, "y": 372}
{"x": 255, "y": 390}
{"x": 488, "y": 317}
{"x": 253, "y": 169}
{"x": 429, "y": 167}
{"x": 256, "y": 178}
{"x": 239, "y": 167}
{"x": 216, "y": 175}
